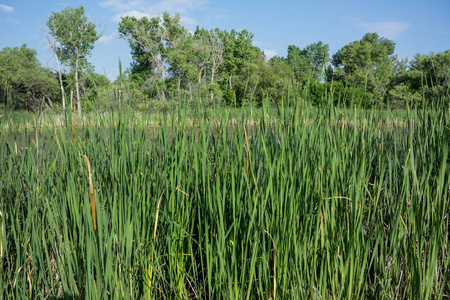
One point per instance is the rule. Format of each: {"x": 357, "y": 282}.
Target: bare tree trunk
{"x": 216, "y": 47}
{"x": 229, "y": 80}
{"x": 63, "y": 94}
{"x": 59, "y": 76}
{"x": 53, "y": 48}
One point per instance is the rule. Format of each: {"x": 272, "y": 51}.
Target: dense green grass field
{"x": 281, "y": 203}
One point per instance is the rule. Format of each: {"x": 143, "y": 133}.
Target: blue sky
{"x": 415, "y": 26}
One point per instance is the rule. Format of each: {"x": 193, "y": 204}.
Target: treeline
{"x": 172, "y": 64}
{"x": 169, "y": 62}
{"x": 26, "y": 84}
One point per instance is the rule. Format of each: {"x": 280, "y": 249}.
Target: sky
{"x": 415, "y": 26}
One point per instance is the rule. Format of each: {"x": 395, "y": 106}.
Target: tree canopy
{"x": 367, "y": 63}
{"x": 24, "y": 83}
{"x": 309, "y": 62}
{"x": 76, "y": 37}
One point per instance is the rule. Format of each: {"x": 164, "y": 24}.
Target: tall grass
{"x": 303, "y": 203}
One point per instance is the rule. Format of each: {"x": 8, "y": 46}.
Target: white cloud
{"x": 119, "y": 5}
{"x": 188, "y": 21}
{"x": 258, "y": 44}
{"x": 13, "y": 21}
{"x": 388, "y": 30}
{"x": 270, "y": 53}
{"x": 6, "y": 8}
{"x": 105, "y": 39}
{"x": 143, "y": 8}
{"x": 171, "y": 6}
{"x": 350, "y": 19}
{"x": 134, "y": 13}
{"x": 220, "y": 16}
{"x": 178, "y": 6}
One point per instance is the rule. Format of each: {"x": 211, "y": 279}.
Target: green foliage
{"x": 76, "y": 37}
{"x": 434, "y": 71}
{"x": 367, "y": 64}
{"x": 369, "y": 52}
{"x": 161, "y": 48}
{"x": 24, "y": 83}
{"x": 94, "y": 87}
{"x": 75, "y": 34}
{"x": 401, "y": 95}
{"x": 337, "y": 93}
{"x": 308, "y": 63}
{"x": 238, "y": 53}
{"x": 220, "y": 68}
{"x": 180, "y": 50}
{"x": 230, "y": 99}
{"x": 274, "y": 76}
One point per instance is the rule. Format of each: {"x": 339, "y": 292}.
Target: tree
{"x": 179, "y": 48}
{"x": 432, "y": 74}
{"x": 308, "y": 62}
{"x": 76, "y": 37}
{"x": 367, "y": 63}
{"x": 297, "y": 61}
{"x": 210, "y": 52}
{"x": 166, "y": 52}
{"x": 93, "y": 87}
{"x": 24, "y": 79}
{"x": 275, "y": 77}
{"x": 148, "y": 48}
{"x": 317, "y": 57}
{"x": 238, "y": 51}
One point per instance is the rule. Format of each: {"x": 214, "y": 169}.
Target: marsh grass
{"x": 298, "y": 203}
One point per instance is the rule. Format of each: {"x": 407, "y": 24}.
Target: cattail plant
{"x": 91, "y": 194}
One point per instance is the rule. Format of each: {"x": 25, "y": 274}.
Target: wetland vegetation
{"x": 305, "y": 203}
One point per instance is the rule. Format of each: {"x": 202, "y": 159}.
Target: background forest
{"x": 171, "y": 63}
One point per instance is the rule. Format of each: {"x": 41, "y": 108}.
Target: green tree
{"x": 308, "y": 62}
{"x": 156, "y": 44}
{"x": 431, "y": 75}
{"x": 23, "y": 80}
{"x": 94, "y": 87}
{"x": 179, "y": 49}
{"x": 367, "y": 63}
{"x": 209, "y": 54}
{"x": 297, "y": 61}
{"x": 318, "y": 56}
{"x": 247, "y": 78}
{"x": 403, "y": 87}
{"x": 238, "y": 51}
{"x": 76, "y": 37}
{"x": 275, "y": 78}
